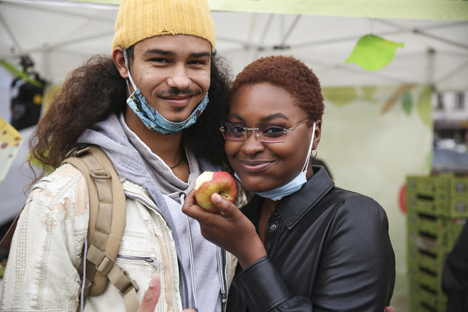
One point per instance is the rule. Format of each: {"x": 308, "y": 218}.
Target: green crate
{"x": 459, "y": 186}
{"x": 427, "y": 206}
{"x": 411, "y": 200}
{"x": 433, "y": 206}
{"x": 437, "y": 244}
{"x": 413, "y": 272}
{"x": 412, "y": 219}
{"x": 459, "y": 206}
{"x": 426, "y": 186}
{"x": 443, "y": 184}
{"x": 411, "y": 184}
{"x": 419, "y": 257}
{"x": 456, "y": 226}
{"x": 430, "y": 278}
{"x": 423, "y": 298}
{"x": 433, "y": 225}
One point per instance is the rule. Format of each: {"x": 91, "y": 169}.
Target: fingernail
{"x": 216, "y": 198}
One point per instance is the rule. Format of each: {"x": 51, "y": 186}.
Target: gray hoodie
{"x": 133, "y": 161}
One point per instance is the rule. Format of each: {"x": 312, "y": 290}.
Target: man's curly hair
{"x": 289, "y": 74}
{"x": 94, "y": 90}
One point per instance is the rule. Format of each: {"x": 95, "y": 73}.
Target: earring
{"x": 314, "y": 149}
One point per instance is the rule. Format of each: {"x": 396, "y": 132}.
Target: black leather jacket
{"x": 455, "y": 275}
{"x": 328, "y": 250}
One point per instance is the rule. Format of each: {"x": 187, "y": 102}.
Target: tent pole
{"x": 393, "y": 32}
{"x": 430, "y": 65}
{"x": 60, "y": 44}
{"x": 12, "y": 37}
{"x": 450, "y": 74}
{"x": 263, "y": 36}
{"x": 423, "y": 33}
{"x": 48, "y": 9}
{"x": 290, "y": 30}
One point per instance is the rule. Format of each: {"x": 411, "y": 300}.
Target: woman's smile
{"x": 255, "y": 165}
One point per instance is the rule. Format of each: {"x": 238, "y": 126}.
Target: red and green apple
{"x": 209, "y": 183}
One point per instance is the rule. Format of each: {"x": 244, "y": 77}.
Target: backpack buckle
{"x": 100, "y": 174}
{"x": 128, "y": 284}
{"x": 76, "y": 151}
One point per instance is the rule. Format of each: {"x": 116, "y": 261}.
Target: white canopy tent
{"x": 59, "y": 35}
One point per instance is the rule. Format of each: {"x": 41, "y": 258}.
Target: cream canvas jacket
{"x": 48, "y": 243}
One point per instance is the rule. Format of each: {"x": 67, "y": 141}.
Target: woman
{"x": 302, "y": 243}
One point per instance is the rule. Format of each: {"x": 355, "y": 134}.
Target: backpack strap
{"x": 107, "y": 220}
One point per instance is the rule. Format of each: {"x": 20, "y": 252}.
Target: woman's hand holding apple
{"x": 229, "y": 229}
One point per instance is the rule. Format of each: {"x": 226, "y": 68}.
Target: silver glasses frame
{"x": 257, "y": 135}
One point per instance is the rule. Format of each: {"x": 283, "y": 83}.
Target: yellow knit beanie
{"x": 141, "y": 19}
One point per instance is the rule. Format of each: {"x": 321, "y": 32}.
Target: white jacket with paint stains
{"x": 42, "y": 275}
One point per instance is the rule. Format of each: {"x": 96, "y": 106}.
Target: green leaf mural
{"x": 340, "y": 96}
{"x": 427, "y": 167}
{"x": 367, "y": 92}
{"x": 373, "y": 52}
{"x": 396, "y": 96}
{"x": 407, "y": 102}
{"x": 424, "y": 106}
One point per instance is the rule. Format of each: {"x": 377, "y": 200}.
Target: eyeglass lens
{"x": 265, "y": 132}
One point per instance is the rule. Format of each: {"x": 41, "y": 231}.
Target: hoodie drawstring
{"x": 192, "y": 261}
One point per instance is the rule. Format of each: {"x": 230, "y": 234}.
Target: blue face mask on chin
{"x": 152, "y": 119}
{"x": 286, "y": 189}
{"x": 292, "y": 186}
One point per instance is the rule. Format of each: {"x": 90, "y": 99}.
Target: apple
{"x": 209, "y": 183}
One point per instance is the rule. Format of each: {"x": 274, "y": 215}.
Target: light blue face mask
{"x": 292, "y": 186}
{"x": 152, "y": 119}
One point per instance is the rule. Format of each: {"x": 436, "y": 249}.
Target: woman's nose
{"x": 252, "y": 145}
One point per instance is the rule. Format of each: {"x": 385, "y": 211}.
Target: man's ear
{"x": 119, "y": 61}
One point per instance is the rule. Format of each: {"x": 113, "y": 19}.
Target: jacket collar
{"x": 293, "y": 207}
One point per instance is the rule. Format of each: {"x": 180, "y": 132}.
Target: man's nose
{"x": 179, "y": 78}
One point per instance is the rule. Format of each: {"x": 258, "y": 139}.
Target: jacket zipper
{"x": 156, "y": 209}
{"x": 156, "y": 263}
{"x": 183, "y": 295}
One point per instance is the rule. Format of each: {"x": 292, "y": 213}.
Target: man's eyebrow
{"x": 200, "y": 54}
{"x": 159, "y": 51}
{"x": 171, "y": 53}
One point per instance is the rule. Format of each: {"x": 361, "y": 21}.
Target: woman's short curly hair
{"x": 289, "y": 74}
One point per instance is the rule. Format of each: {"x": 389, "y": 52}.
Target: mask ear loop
{"x": 304, "y": 169}
{"x": 129, "y": 75}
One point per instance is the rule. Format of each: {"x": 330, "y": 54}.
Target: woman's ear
{"x": 318, "y": 132}
{"x": 119, "y": 61}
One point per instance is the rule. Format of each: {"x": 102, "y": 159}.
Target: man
{"x": 154, "y": 108}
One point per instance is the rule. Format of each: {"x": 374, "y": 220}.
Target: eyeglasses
{"x": 264, "y": 131}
